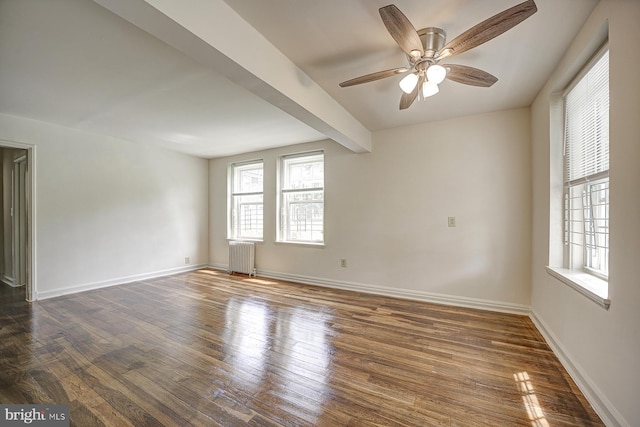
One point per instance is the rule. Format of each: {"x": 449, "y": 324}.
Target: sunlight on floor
{"x": 530, "y": 400}
{"x": 260, "y": 281}
{"x": 209, "y": 272}
{"x": 285, "y": 350}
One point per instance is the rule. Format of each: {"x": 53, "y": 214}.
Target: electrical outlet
{"x": 343, "y": 262}
{"x": 187, "y": 260}
{"x": 451, "y": 221}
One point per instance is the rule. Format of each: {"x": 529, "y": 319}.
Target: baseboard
{"x": 603, "y": 407}
{"x": 453, "y": 300}
{"x": 7, "y": 280}
{"x": 113, "y": 282}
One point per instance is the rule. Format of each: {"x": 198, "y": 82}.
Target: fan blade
{"x": 488, "y": 29}
{"x": 402, "y": 31}
{"x": 470, "y": 76}
{"x": 374, "y": 76}
{"x": 408, "y": 98}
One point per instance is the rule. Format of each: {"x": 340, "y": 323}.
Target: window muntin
{"x": 246, "y": 213}
{"x": 302, "y": 198}
{"x": 586, "y": 164}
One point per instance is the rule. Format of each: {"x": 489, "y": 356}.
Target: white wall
{"x": 601, "y": 346}
{"x": 108, "y": 210}
{"x": 386, "y": 213}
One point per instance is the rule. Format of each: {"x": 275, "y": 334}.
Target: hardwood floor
{"x": 205, "y": 348}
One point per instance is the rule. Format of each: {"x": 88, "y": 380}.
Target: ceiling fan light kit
{"x": 408, "y": 82}
{"x": 432, "y": 39}
{"x": 429, "y": 89}
{"x": 426, "y": 48}
{"x": 436, "y": 73}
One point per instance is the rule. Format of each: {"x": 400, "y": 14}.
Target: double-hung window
{"x": 246, "y": 200}
{"x": 586, "y": 170}
{"x": 301, "y": 198}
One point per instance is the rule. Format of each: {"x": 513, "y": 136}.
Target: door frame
{"x": 20, "y": 222}
{"x": 30, "y": 189}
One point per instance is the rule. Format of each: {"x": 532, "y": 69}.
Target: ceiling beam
{"x": 213, "y": 34}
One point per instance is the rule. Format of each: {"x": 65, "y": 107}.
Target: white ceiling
{"x": 335, "y": 40}
{"x": 74, "y": 63}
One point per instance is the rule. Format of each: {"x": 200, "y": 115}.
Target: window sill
{"x": 231, "y": 239}
{"x": 302, "y": 244}
{"x": 590, "y": 286}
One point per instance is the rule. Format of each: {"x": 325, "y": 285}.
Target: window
{"x": 302, "y": 198}
{"x": 245, "y": 200}
{"x": 586, "y": 170}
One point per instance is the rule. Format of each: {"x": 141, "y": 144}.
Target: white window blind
{"x": 586, "y": 160}
{"x": 587, "y": 124}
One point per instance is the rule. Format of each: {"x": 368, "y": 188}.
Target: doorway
{"x": 16, "y": 241}
{"x": 20, "y": 219}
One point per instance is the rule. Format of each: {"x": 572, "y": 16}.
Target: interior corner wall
{"x": 386, "y": 211}
{"x": 602, "y": 346}
{"x": 108, "y": 210}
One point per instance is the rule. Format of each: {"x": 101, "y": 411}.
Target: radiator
{"x": 242, "y": 258}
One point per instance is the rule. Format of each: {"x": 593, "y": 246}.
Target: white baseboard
{"x": 113, "y": 282}
{"x": 610, "y": 416}
{"x": 453, "y": 300}
{"x": 7, "y": 280}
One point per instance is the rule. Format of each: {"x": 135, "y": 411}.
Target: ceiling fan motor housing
{"x": 433, "y": 39}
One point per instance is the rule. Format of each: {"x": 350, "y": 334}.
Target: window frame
{"x": 234, "y": 231}
{"x": 586, "y": 281}
{"x": 284, "y": 233}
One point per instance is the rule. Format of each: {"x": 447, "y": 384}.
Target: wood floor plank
{"x": 207, "y": 348}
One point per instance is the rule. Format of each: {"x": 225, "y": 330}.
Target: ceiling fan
{"x": 426, "y": 48}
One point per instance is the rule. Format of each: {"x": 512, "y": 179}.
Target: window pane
{"x": 248, "y": 178}
{"x": 246, "y": 201}
{"x": 587, "y": 171}
{"x": 249, "y": 216}
{"x": 304, "y": 172}
{"x": 597, "y": 227}
{"x": 304, "y": 217}
{"x": 302, "y": 199}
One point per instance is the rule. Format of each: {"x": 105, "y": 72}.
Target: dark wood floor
{"x": 206, "y": 348}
